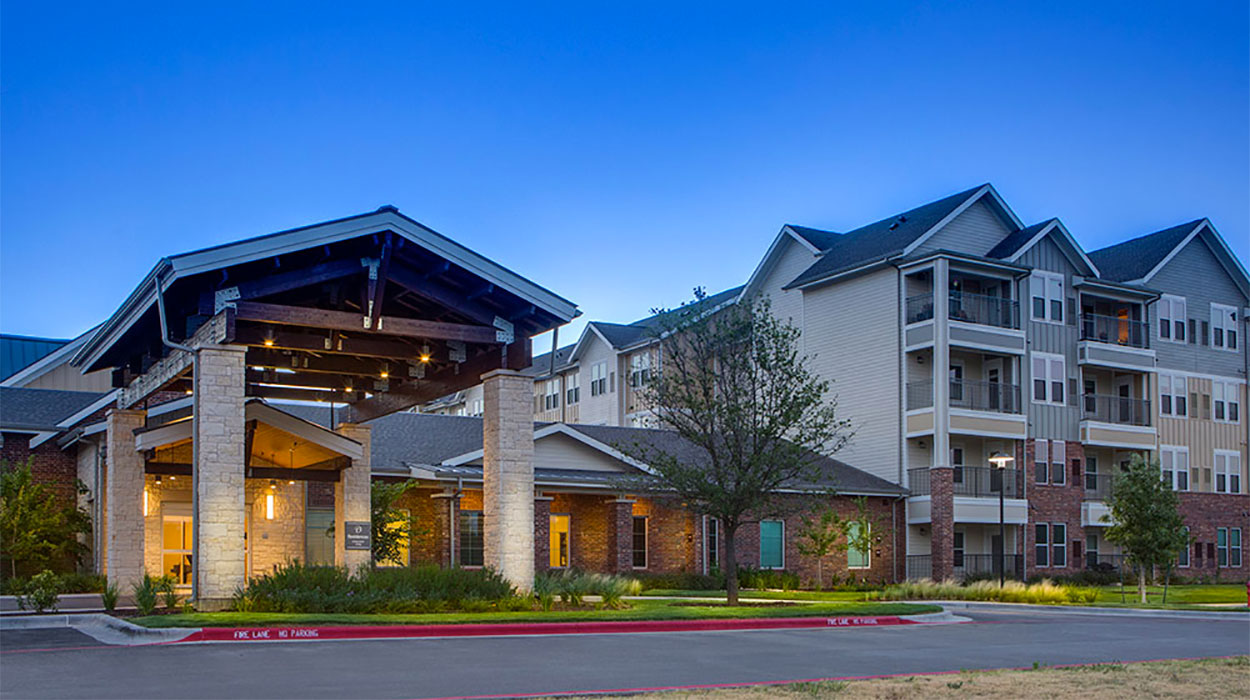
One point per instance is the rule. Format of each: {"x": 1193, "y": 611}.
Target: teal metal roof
{"x": 18, "y": 352}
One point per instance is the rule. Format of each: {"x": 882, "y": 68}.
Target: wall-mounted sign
{"x": 357, "y": 535}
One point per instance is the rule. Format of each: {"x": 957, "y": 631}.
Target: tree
{"x": 37, "y": 531}
{"x": 752, "y": 415}
{"x": 1145, "y": 519}
{"x": 818, "y": 537}
{"x": 391, "y": 527}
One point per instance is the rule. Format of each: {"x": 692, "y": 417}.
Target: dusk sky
{"x": 616, "y": 156}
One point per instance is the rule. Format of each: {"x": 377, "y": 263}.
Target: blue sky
{"x": 618, "y": 155}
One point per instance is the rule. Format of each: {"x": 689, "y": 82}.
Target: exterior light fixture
{"x": 386, "y": 371}
{"x": 269, "y": 506}
{"x": 189, "y": 392}
{"x": 158, "y": 479}
{"x": 1000, "y": 460}
{"x": 425, "y": 353}
{"x": 145, "y": 503}
{"x": 172, "y": 477}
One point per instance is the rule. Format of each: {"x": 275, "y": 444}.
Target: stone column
{"x": 351, "y": 499}
{"x": 942, "y": 519}
{"x": 621, "y": 535}
{"x": 542, "y": 533}
{"x": 218, "y": 474}
{"x": 124, "y": 486}
{"x": 508, "y": 475}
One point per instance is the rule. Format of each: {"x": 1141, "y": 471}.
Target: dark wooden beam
{"x": 349, "y": 322}
{"x": 436, "y": 384}
{"x": 167, "y": 468}
{"x": 376, "y": 286}
{"x": 293, "y": 394}
{"x": 305, "y": 474}
{"x": 282, "y": 282}
{"x": 330, "y": 343}
{"x": 430, "y": 289}
{"x": 323, "y": 380}
{"x": 299, "y": 361}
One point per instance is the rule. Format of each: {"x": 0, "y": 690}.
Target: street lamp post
{"x": 1000, "y": 462}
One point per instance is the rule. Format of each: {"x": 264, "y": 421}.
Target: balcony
{"x": 965, "y": 307}
{"x": 1114, "y": 341}
{"x": 994, "y": 397}
{"x": 1098, "y": 487}
{"x": 976, "y": 482}
{"x": 1116, "y": 421}
{"x": 983, "y": 565}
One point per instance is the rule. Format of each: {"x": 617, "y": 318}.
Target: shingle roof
{"x": 541, "y": 364}
{"x": 819, "y": 238}
{"x": 1135, "y": 258}
{"x": 40, "y": 409}
{"x": 1013, "y": 242}
{"x": 620, "y": 335}
{"x": 881, "y": 239}
{"x": 18, "y": 352}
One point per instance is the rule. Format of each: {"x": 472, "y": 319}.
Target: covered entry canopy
{"x": 375, "y": 311}
{"x": 278, "y": 446}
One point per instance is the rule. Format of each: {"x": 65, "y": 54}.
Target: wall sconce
{"x": 145, "y": 503}
{"x": 269, "y": 506}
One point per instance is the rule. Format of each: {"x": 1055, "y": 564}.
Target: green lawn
{"x": 826, "y": 596}
{"x": 640, "y": 610}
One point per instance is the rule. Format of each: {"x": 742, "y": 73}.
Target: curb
{"x": 1083, "y": 610}
{"x": 103, "y": 628}
{"x": 281, "y": 634}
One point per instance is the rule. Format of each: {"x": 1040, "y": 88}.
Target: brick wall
{"x": 673, "y": 539}
{"x": 1050, "y": 503}
{"x": 49, "y": 464}
{"x": 942, "y": 512}
{"x": 1203, "y": 513}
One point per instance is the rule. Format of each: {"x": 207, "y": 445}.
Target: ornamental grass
{"x": 1044, "y": 592}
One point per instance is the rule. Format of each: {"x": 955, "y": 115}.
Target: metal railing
{"x": 981, "y": 482}
{"x": 1109, "y": 408}
{"x": 1115, "y": 330}
{"x": 1104, "y": 562}
{"x": 1098, "y": 487}
{"x": 919, "y": 566}
{"x": 982, "y": 564}
{"x": 984, "y": 310}
{"x": 970, "y": 308}
{"x": 998, "y": 397}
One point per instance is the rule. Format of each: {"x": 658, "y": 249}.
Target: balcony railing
{"x": 987, "y": 564}
{"x": 919, "y": 566}
{"x": 996, "y": 397}
{"x": 1115, "y": 330}
{"x": 969, "y": 308}
{"x": 1098, "y": 487}
{"x": 985, "y": 310}
{"x": 980, "y": 482}
{"x": 1105, "y": 562}
{"x": 1109, "y": 408}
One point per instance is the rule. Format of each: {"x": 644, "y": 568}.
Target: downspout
{"x": 195, "y": 420}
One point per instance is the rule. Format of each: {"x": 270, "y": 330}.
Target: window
{"x": 472, "y": 544}
{"x": 1227, "y": 397}
{"x": 475, "y": 407}
{"x": 551, "y": 396}
{"x": 1046, "y": 290}
{"x": 599, "y": 379}
{"x": 573, "y": 390}
{"x": 640, "y": 541}
{"x": 640, "y": 369}
{"x": 1172, "y": 318}
{"x": 957, "y": 464}
{"x": 772, "y": 544}
{"x": 957, "y": 381}
{"x": 1041, "y": 544}
{"x": 318, "y": 537}
{"x": 1041, "y": 461}
{"x": 861, "y": 557}
{"x": 1221, "y": 546}
{"x": 1174, "y": 466}
{"x": 958, "y": 559}
{"x": 1049, "y": 378}
{"x": 1091, "y": 472}
{"x": 1227, "y": 471}
{"x": 1059, "y": 544}
{"x": 402, "y": 525}
{"x": 1182, "y": 559}
{"x": 558, "y": 538}
{"x": 176, "y": 547}
{"x": 1223, "y": 327}
{"x": 1234, "y": 547}
{"x": 712, "y": 542}
{"x": 1172, "y": 391}
{"x": 1058, "y": 468}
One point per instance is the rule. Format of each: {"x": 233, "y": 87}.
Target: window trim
{"x": 1058, "y": 448}
{"x": 572, "y": 388}
{"x": 1175, "y": 451}
{"x": 1041, "y": 545}
{"x": 1058, "y": 543}
{"x": 1044, "y": 278}
{"x": 1041, "y": 445}
{"x": 867, "y": 553}
{"x": 1174, "y": 399}
{"x": 1048, "y": 359}
{"x": 1222, "y": 311}
{"x": 711, "y": 549}
{"x": 1221, "y": 391}
{"x": 782, "y": 548}
{"x": 1182, "y": 559}
{"x": 646, "y": 542}
{"x": 460, "y": 549}
{"x": 1173, "y": 303}
{"x": 1229, "y": 472}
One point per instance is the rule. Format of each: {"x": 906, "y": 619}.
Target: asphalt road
{"x": 32, "y": 667}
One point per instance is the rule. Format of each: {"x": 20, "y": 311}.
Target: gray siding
{"x": 1196, "y": 275}
{"x": 975, "y": 231}
{"x": 1046, "y": 421}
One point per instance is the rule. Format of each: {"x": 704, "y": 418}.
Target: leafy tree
{"x": 860, "y": 527}
{"x": 1145, "y": 519}
{"x": 37, "y": 530}
{"x": 820, "y": 536}
{"x": 392, "y": 528}
{"x": 732, "y": 383}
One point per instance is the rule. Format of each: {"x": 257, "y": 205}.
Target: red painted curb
{"x": 288, "y": 634}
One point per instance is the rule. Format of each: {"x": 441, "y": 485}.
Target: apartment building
{"x": 955, "y": 333}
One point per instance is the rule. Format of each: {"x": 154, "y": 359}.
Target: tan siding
{"x": 792, "y": 261}
{"x": 69, "y": 378}
{"x": 602, "y": 409}
{"x": 842, "y": 321}
{"x": 1203, "y": 436}
{"x": 563, "y": 452}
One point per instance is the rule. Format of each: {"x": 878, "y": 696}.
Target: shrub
{"x": 683, "y": 581}
{"x": 169, "y": 594}
{"x": 1044, "y": 592}
{"x": 768, "y": 579}
{"x": 573, "y": 586}
{"x": 70, "y": 583}
{"x": 41, "y": 592}
{"x": 109, "y": 596}
{"x": 145, "y": 594}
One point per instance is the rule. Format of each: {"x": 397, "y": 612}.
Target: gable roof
{"x": 818, "y": 238}
{"x": 891, "y": 236}
{"x": 1015, "y": 245}
{"x": 620, "y": 336}
{"x": 40, "y": 409}
{"x": 540, "y": 366}
{"x": 1135, "y": 258}
{"x": 18, "y": 352}
{"x": 1014, "y": 242}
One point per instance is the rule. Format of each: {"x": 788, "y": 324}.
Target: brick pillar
{"x": 942, "y": 517}
{"x": 621, "y": 535}
{"x": 351, "y": 499}
{"x": 508, "y": 475}
{"x": 446, "y": 525}
{"x": 124, "y": 499}
{"x": 542, "y": 533}
{"x": 218, "y": 475}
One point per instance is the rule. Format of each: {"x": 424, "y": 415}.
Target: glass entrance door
{"x": 176, "y": 534}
